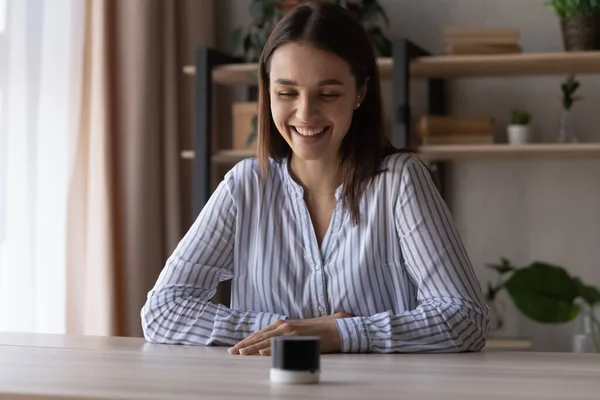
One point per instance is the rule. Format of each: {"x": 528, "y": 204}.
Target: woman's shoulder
{"x": 396, "y": 164}
{"x": 246, "y": 174}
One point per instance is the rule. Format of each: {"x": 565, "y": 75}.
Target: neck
{"x": 316, "y": 177}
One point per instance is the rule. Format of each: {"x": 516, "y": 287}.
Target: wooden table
{"x": 36, "y": 366}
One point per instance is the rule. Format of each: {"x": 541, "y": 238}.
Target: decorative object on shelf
{"x": 580, "y": 23}
{"x": 566, "y": 131}
{"x": 248, "y": 42}
{"x": 443, "y": 129}
{"x": 546, "y": 293}
{"x": 519, "y": 129}
{"x": 244, "y": 125}
{"x": 484, "y": 40}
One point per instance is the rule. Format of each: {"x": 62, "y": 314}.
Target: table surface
{"x": 37, "y": 366}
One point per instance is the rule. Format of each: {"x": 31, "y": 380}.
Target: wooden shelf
{"x": 491, "y": 151}
{"x": 232, "y": 156}
{"x": 460, "y": 152}
{"x": 560, "y": 63}
{"x": 508, "y": 344}
{"x": 233, "y": 74}
{"x": 506, "y": 64}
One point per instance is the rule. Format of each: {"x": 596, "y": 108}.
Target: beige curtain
{"x": 131, "y": 195}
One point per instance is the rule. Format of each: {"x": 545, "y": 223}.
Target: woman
{"x": 331, "y": 232}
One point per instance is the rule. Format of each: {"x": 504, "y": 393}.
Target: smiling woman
{"x": 332, "y": 232}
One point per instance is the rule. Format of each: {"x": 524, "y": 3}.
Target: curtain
{"x": 40, "y": 59}
{"x": 94, "y": 111}
{"x": 137, "y": 117}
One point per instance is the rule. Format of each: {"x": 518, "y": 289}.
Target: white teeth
{"x": 309, "y": 132}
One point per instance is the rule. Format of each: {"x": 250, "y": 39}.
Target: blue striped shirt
{"x": 402, "y": 272}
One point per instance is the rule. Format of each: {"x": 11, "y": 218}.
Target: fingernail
{"x": 231, "y": 350}
{"x": 243, "y": 351}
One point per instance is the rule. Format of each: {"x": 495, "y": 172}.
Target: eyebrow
{"x": 325, "y": 82}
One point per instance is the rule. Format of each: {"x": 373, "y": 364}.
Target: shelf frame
{"x": 206, "y": 60}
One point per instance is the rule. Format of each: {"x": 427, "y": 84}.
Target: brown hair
{"x": 329, "y": 27}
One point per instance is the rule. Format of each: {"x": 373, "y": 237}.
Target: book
{"x": 439, "y": 125}
{"x": 457, "y": 139}
{"x": 495, "y": 35}
{"x": 481, "y": 48}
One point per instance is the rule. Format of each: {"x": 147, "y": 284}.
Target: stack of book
{"x": 437, "y": 129}
{"x": 481, "y": 40}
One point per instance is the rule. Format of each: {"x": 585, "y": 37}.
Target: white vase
{"x": 518, "y": 134}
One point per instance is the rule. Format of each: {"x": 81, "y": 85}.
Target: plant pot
{"x": 518, "y": 134}
{"x": 581, "y": 32}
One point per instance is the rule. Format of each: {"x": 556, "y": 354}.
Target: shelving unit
{"x": 409, "y": 62}
{"x": 460, "y": 152}
{"x": 450, "y": 66}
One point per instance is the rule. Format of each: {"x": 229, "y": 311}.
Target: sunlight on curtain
{"x": 40, "y": 55}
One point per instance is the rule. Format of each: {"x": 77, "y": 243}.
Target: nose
{"x": 307, "y": 108}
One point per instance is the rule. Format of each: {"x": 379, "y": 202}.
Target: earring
{"x": 358, "y": 105}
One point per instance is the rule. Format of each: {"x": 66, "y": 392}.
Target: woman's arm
{"x": 451, "y": 315}
{"x": 178, "y": 309}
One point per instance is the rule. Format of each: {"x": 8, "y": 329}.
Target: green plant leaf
{"x": 490, "y": 295}
{"x": 544, "y": 292}
{"x": 254, "y": 133}
{"x": 257, "y": 11}
{"x": 503, "y": 267}
{"x": 383, "y": 14}
{"x": 381, "y": 44}
{"x": 589, "y": 294}
{"x": 368, "y": 10}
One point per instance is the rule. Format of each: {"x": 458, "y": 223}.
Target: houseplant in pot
{"x": 247, "y": 42}
{"x": 580, "y": 23}
{"x": 548, "y": 294}
{"x": 519, "y": 129}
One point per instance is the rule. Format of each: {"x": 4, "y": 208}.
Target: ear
{"x": 362, "y": 93}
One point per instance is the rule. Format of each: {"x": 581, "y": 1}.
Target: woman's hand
{"x": 323, "y": 327}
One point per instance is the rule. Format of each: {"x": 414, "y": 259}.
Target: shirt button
{"x": 317, "y": 266}
{"x": 321, "y": 308}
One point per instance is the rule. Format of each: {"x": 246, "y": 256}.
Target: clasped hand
{"x": 323, "y": 327}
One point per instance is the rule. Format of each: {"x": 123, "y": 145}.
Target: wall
{"x": 524, "y": 210}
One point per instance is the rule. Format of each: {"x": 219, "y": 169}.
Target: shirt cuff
{"x": 263, "y": 320}
{"x": 354, "y": 334}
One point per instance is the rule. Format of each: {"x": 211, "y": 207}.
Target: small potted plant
{"x": 566, "y": 132}
{"x": 519, "y": 130}
{"x": 580, "y": 23}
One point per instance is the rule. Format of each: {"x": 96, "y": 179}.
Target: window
{"x": 38, "y": 53}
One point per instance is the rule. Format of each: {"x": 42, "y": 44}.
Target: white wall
{"x": 524, "y": 210}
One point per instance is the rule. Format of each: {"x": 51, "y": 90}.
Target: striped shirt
{"x": 402, "y": 272}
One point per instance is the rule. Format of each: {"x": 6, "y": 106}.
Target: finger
{"x": 255, "y": 348}
{"x": 265, "y": 352}
{"x": 256, "y": 337}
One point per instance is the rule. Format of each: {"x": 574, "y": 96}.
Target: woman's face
{"x": 313, "y": 97}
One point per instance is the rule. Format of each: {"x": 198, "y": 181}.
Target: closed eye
{"x": 286, "y": 95}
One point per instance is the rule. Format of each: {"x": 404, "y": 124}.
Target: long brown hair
{"x": 329, "y": 27}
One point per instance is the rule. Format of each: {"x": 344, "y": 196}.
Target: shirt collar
{"x": 295, "y": 188}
